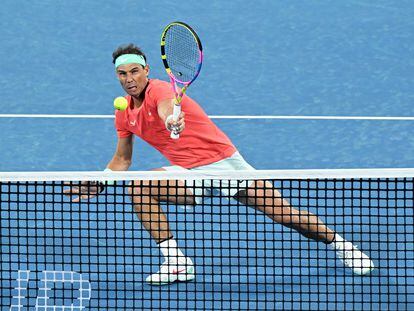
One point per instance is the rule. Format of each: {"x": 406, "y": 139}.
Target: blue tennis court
{"x": 264, "y": 58}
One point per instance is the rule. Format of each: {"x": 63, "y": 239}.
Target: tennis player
{"x": 201, "y": 146}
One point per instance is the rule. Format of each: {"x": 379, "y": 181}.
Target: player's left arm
{"x": 165, "y": 111}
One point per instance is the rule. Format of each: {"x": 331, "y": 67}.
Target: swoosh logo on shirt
{"x": 132, "y": 123}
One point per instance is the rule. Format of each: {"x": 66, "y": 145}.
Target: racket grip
{"x": 174, "y": 135}
{"x": 176, "y": 114}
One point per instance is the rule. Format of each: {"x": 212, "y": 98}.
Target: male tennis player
{"x": 201, "y": 146}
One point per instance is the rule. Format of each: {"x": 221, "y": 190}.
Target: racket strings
{"x": 182, "y": 53}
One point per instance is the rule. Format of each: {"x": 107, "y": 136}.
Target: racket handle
{"x": 174, "y": 136}
{"x": 176, "y": 114}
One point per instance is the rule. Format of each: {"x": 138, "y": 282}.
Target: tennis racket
{"x": 182, "y": 56}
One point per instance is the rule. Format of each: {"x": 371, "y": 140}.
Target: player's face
{"x": 133, "y": 78}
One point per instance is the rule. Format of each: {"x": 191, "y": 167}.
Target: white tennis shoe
{"x": 172, "y": 271}
{"x": 352, "y": 257}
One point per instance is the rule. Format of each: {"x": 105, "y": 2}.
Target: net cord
{"x": 196, "y": 175}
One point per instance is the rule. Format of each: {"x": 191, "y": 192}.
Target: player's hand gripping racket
{"x": 182, "y": 55}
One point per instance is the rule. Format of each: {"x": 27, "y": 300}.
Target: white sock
{"x": 338, "y": 241}
{"x": 171, "y": 251}
{"x": 338, "y": 238}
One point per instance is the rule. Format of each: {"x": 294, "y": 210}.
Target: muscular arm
{"x": 165, "y": 108}
{"x": 121, "y": 160}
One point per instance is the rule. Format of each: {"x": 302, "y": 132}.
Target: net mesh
{"x": 97, "y": 254}
{"x": 182, "y": 52}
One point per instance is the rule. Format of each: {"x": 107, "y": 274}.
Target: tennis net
{"x": 96, "y": 254}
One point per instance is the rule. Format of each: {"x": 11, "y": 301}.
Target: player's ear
{"x": 147, "y": 69}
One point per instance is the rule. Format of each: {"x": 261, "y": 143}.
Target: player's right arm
{"x": 122, "y": 159}
{"x": 165, "y": 112}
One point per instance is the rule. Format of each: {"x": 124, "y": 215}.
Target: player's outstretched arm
{"x": 121, "y": 161}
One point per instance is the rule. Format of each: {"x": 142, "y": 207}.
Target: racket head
{"x": 181, "y": 52}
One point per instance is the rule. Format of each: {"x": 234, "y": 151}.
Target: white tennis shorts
{"x": 227, "y": 188}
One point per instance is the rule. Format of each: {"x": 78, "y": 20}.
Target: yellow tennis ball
{"x": 120, "y": 103}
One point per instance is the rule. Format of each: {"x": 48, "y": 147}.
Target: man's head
{"x": 131, "y": 68}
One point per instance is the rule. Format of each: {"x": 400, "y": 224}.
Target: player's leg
{"x": 146, "y": 197}
{"x": 264, "y": 197}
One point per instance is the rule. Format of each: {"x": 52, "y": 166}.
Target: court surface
{"x": 262, "y": 58}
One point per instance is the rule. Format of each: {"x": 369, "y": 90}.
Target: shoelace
{"x": 167, "y": 264}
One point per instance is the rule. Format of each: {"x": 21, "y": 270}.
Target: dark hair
{"x": 127, "y": 49}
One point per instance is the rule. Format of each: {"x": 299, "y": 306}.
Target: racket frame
{"x": 179, "y": 93}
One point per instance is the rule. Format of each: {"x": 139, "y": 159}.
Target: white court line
{"x": 317, "y": 118}
{"x": 57, "y": 116}
{"x": 98, "y": 116}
